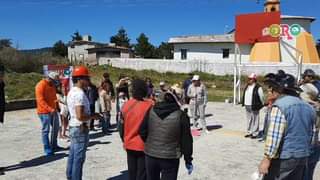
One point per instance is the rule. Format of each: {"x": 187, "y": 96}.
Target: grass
{"x": 219, "y": 87}
{"x": 21, "y": 85}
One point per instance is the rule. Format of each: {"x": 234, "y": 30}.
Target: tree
{"x": 121, "y": 38}
{"x": 60, "y": 49}
{"x": 165, "y": 50}
{"x": 76, "y": 36}
{"x": 144, "y": 48}
{"x": 5, "y": 43}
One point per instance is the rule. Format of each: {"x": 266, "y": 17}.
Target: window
{"x": 225, "y": 53}
{"x": 183, "y": 53}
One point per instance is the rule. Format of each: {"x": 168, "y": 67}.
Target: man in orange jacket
{"x": 47, "y": 111}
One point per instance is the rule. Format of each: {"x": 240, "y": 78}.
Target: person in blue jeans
{"x": 80, "y": 115}
{"x": 47, "y": 121}
{"x": 46, "y": 100}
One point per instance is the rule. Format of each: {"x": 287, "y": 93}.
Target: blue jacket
{"x": 300, "y": 118}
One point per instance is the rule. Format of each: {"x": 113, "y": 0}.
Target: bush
{"x": 19, "y": 62}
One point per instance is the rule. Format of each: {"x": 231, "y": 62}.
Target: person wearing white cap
{"x": 253, "y": 101}
{"x": 198, "y": 95}
{"x": 46, "y": 100}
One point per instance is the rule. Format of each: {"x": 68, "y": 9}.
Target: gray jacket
{"x": 198, "y": 95}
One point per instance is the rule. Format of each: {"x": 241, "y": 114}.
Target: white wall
{"x": 210, "y": 51}
{"x": 181, "y": 66}
{"x": 74, "y": 54}
{"x": 289, "y": 54}
{"x": 304, "y": 23}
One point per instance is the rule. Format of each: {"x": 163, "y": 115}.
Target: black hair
{"x": 106, "y": 75}
{"x": 78, "y": 78}
{"x": 139, "y": 89}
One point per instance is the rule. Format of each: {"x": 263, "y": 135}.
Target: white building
{"x": 215, "y": 48}
{"x": 89, "y": 52}
{"x": 220, "y": 48}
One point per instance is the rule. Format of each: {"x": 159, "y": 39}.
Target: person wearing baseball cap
{"x": 46, "y": 100}
{"x": 198, "y": 95}
{"x": 253, "y": 101}
{"x": 80, "y": 115}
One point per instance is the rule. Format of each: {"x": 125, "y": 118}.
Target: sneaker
{"x": 2, "y": 169}
{"x": 207, "y": 131}
{"x": 248, "y": 135}
{"x": 254, "y": 137}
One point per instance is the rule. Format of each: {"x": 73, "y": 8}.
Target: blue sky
{"x": 40, "y": 23}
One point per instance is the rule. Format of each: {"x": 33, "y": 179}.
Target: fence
{"x": 217, "y": 68}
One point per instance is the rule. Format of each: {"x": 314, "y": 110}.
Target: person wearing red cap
{"x": 253, "y": 101}
{"x": 79, "y": 109}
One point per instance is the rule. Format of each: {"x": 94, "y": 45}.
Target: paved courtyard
{"x": 221, "y": 155}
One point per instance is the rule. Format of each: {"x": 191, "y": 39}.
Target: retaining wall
{"x": 217, "y": 68}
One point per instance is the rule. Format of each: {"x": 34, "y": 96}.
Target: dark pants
{"x": 164, "y": 169}
{"x": 2, "y": 114}
{"x": 286, "y": 169}
{"x": 92, "y": 110}
{"x": 136, "y": 165}
{"x": 312, "y": 163}
{"x": 106, "y": 125}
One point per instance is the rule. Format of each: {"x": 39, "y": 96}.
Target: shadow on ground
{"x": 214, "y": 127}
{"x": 36, "y": 162}
{"x": 123, "y": 176}
{"x": 208, "y": 115}
{"x": 93, "y": 143}
{"x": 98, "y": 135}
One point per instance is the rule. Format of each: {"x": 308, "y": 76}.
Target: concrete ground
{"x": 224, "y": 154}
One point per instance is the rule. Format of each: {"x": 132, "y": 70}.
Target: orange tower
{"x": 267, "y": 51}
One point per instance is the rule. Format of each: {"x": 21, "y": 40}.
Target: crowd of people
{"x": 291, "y": 124}
{"x": 151, "y": 118}
{"x": 155, "y": 123}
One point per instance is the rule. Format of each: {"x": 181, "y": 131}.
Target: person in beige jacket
{"x": 198, "y": 95}
{"x": 105, "y": 99}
